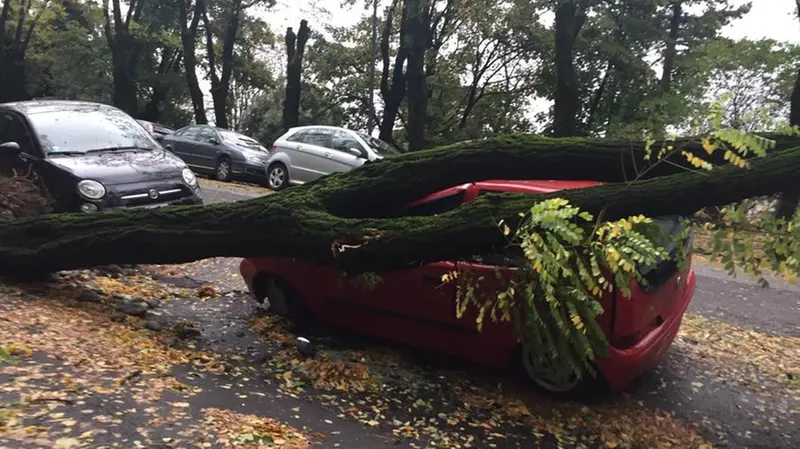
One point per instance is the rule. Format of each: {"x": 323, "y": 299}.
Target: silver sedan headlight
{"x": 91, "y": 189}
{"x": 189, "y": 177}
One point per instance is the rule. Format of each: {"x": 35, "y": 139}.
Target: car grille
{"x": 163, "y": 193}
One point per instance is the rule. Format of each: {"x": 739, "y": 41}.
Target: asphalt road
{"x": 722, "y": 387}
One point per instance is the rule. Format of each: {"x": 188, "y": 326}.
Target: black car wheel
{"x": 277, "y": 176}
{"x": 551, "y": 377}
{"x": 223, "y": 170}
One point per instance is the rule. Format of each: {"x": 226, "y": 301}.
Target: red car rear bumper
{"x": 621, "y": 366}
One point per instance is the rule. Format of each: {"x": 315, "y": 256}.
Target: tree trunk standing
{"x": 570, "y": 15}
{"x": 393, "y": 94}
{"x": 671, "y": 51}
{"x": 221, "y": 83}
{"x": 124, "y": 53}
{"x": 315, "y": 222}
{"x": 416, "y": 41}
{"x": 788, "y": 201}
{"x": 189, "y": 45}
{"x": 373, "y": 54}
{"x": 13, "y": 50}
{"x": 154, "y": 109}
{"x": 295, "y": 48}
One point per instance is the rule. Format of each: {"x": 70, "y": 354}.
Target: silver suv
{"x": 306, "y": 153}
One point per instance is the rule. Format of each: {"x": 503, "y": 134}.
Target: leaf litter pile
{"x": 452, "y": 409}
{"x": 73, "y": 376}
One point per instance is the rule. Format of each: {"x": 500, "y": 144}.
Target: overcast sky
{"x": 773, "y": 19}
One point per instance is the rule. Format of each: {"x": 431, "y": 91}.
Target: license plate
{"x": 155, "y": 206}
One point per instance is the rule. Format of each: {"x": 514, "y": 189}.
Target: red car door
{"x": 412, "y": 305}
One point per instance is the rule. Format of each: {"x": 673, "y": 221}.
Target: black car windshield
{"x": 241, "y": 140}
{"x": 379, "y": 146}
{"x": 86, "y": 129}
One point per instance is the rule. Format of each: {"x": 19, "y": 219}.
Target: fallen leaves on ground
{"x": 741, "y": 355}
{"x": 240, "y": 186}
{"x": 251, "y": 431}
{"x": 378, "y": 387}
{"x": 138, "y": 286}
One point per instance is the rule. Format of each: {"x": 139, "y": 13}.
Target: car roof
{"x": 37, "y": 106}
{"x": 298, "y": 128}
{"x": 530, "y": 187}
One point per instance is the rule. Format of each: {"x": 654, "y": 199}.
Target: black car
{"x": 91, "y": 157}
{"x": 219, "y": 152}
{"x": 156, "y": 129}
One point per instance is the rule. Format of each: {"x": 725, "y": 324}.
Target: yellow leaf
{"x": 708, "y": 146}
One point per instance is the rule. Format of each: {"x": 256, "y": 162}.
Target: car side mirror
{"x": 356, "y": 152}
{"x": 10, "y": 146}
{"x": 169, "y": 147}
{"x": 214, "y": 140}
{"x": 159, "y": 138}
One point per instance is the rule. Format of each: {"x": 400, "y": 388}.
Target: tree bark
{"x": 124, "y": 53}
{"x": 332, "y": 220}
{"x": 14, "y": 48}
{"x": 788, "y": 200}
{"x": 189, "y": 45}
{"x": 295, "y": 48}
{"x": 670, "y": 51}
{"x": 221, "y": 85}
{"x": 394, "y": 93}
{"x": 416, "y": 40}
{"x": 568, "y": 23}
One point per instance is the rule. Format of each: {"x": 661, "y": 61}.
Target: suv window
{"x": 343, "y": 141}
{"x": 319, "y": 137}
{"x": 434, "y": 207}
{"x": 298, "y": 136}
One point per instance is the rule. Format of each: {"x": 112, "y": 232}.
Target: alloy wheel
{"x": 549, "y": 374}
{"x": 223, "y": 169}
{"x": 276, "y": 177}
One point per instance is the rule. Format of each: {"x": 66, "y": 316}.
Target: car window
{"x": 182, "y": 131}
{"x": 380, "y": 147}
{"x": 191, "y": 133}
{"x": 205, "y": 134}
{"x": 343, "y": 141}
{"x": 15, "y": 130}
{"x": 241, "y": 140}
{"x": 298, "y": 136}
{"x": 85, "y": 128}
{"x": 437, "y": 206}
{"x": 320, "y": 137}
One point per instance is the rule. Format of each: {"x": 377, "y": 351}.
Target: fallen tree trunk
{"x": 329, "y": 221}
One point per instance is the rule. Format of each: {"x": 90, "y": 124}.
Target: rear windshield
{"x": 86, "y": 128}
{"x": 241, "y": 140}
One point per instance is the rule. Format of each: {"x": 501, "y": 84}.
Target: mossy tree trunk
{"x": 343, "y": 219}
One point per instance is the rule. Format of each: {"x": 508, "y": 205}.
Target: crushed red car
{"x": 414, "y": 307}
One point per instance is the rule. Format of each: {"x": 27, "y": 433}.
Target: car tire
{"x": 552, "y": 380}
{"x": 277, "y": 176}
{"x": 222, "y": 172}
{"x": 285, "y": 300}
